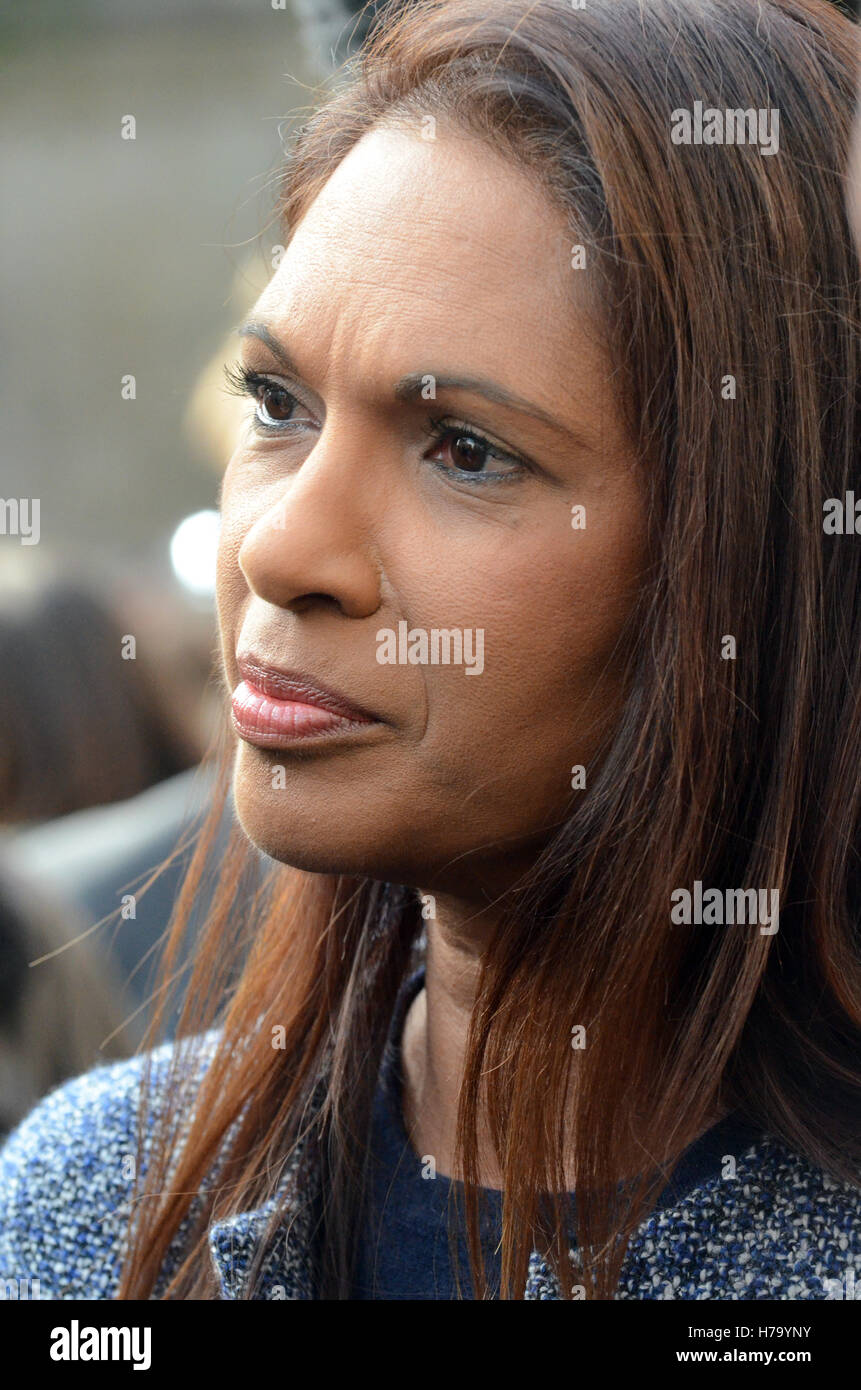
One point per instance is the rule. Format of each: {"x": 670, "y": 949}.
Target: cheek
{"x": 230, "y": 586}
{"x": 240, "y": 506}
{"x": 554, "y": 616}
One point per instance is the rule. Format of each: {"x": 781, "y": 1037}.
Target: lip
{"x": 273, "y": 708}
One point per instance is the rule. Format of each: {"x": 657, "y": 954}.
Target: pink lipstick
{"x": 273, "y": 708}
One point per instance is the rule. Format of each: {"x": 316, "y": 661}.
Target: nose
{"x": 314, "y": 545}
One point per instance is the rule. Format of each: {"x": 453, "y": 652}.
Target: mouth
{"x": 272, "y": 708}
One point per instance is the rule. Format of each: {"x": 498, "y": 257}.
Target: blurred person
{"x": 120, "y": 785}
{"x": 82, "y": 724}
{"x": 83, "y": 730}
{"x": 56, "y": 1018}
{"x": 119, "y": 869}
{"x": 443, "y": 919}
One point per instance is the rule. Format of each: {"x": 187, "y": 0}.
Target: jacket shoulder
{"x": 778, "y": 1227}
{"x": 772, "y": 1226}
{"x": 66, "y": 1176}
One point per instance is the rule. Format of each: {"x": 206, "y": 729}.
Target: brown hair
{"x": 731, "y": 772}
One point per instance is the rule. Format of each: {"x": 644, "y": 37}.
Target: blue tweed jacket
{"x": 778, "y": 1229}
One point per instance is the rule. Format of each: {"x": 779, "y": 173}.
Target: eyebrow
{"x": 408, "y": 388}
{"x": 252, "y": 329}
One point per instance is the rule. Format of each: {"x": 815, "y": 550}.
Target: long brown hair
{"x": 707, "y": 264}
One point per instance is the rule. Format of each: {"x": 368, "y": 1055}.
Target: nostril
{"x": 306, "y": 602}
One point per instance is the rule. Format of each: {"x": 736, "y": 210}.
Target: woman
{"x": 541, "y": 645}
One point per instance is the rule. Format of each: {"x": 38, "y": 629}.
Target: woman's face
{"x": 346, "y": 512}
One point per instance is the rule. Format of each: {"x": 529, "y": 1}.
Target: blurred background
{"x": 125, "y": 264}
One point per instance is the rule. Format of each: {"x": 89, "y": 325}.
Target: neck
{"x": 433, "y": 1044}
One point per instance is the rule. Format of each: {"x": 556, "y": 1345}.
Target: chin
{"x": 331, "y": 840}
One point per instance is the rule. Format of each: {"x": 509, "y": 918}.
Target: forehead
{"x": 443, "y": 247}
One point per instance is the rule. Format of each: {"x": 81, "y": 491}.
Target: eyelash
{"x": 244, "y": 381}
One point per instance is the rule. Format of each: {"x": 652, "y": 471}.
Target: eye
{"x": 470, "y": 453}
{"x": 274, "y": 403}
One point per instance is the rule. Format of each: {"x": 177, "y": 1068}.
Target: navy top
{"x": 405, "y": 1250}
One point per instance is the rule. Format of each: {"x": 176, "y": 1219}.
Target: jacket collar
{"x": 286, "y": 1268}
{"x": 286, "y": 1271}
